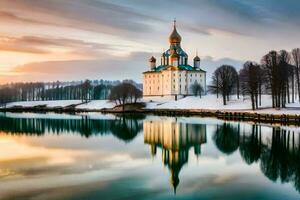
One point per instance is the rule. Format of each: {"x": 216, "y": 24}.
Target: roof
{"x": 179, "y": 51}
{"x": 197, "y": 58}
{"x": 180, "y": 67}
{"x": 152, "y": 59}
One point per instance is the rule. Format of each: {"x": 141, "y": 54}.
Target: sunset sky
{"x": 46, "y": 40}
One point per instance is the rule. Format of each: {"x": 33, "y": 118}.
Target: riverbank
{"x": 283, "y": 119}
{"x": 207, "y": 106}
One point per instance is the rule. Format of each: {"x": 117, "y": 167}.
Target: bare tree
{"x": 125, "y": 93}
{"x": 296, "y": 62}
{"x": 250, "y": 78}
{"x": 276, "y": 67}
{"x": 270, "y": 65}
{"x": 85, "y": 90}
{"x": 224, "y": 80}
{"x": 197, "y": 89}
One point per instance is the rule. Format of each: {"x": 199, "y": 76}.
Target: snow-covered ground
{"x": 96, "y": 104}
{"x": 49, "y": 104}
{"x": 90, "y": 115}
{"x": 207, "y": 102}
{"x": 210, "y": 102}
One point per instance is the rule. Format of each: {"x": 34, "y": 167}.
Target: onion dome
{"x": 197, "y": 58}
{"x": 152, "y": 59}
{"x": 174, "y": 38}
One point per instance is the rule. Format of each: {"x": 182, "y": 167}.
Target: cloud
{"x": 139, "y": 16}
{"x": 10, "y": 16}
{"x": 136, "y": 20}
{"x": 98, "y": 30}
{"x": 99, "y": 16}
{"x": 110, "y": 68}
{"x": 43, "y": 45}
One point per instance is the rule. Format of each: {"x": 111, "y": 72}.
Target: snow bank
{"x": 49, "y": 115}
{"x": 92, "y": 105}
{"x": 49, "y": 104}
{"x": 207, "y": 102}
{"x": 210, "y": 102}
{"x": 96, "y": 104}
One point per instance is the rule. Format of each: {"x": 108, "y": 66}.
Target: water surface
{"x": 95, "y": 156}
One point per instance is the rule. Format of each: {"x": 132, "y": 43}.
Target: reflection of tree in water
{"x": 251, "y": 146}
{"x": 279, "y": 158}
{"x": 281, "y": 161}
{"x": 124, "y": 127}
{"x": 175, "y": 139}
{"x": 226, "y": 138}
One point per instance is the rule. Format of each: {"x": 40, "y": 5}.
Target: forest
{"x": 277, "y": 75}
{"x": 39, "y": 91}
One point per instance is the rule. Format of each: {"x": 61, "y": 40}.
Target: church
{"x": 174, "y": 77}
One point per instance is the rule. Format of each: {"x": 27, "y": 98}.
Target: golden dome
{"x": 174, "y": 38}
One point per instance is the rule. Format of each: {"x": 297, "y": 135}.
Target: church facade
{"x": 174, "y": 76}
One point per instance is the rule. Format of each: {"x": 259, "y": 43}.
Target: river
{"x": 94, "y": 156}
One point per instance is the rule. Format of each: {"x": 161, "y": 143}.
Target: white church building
{"x": 174, "y": 77}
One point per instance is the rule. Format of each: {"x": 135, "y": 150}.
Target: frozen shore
{"x": 207, "y": 103}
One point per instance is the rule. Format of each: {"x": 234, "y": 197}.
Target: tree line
{"x": 40, "y": 91}
{"x": 278, "y": 74}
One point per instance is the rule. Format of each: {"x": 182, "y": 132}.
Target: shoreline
{"x": 231, "y": 115}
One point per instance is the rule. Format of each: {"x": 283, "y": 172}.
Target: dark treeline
{"x": 279, "y": 159}
{"x": 39, "y": 91}
{"x": 278, "y": 75}
{"x": 125, "y": 127}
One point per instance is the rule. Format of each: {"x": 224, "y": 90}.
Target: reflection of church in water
{"x": 175, "y": 139}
